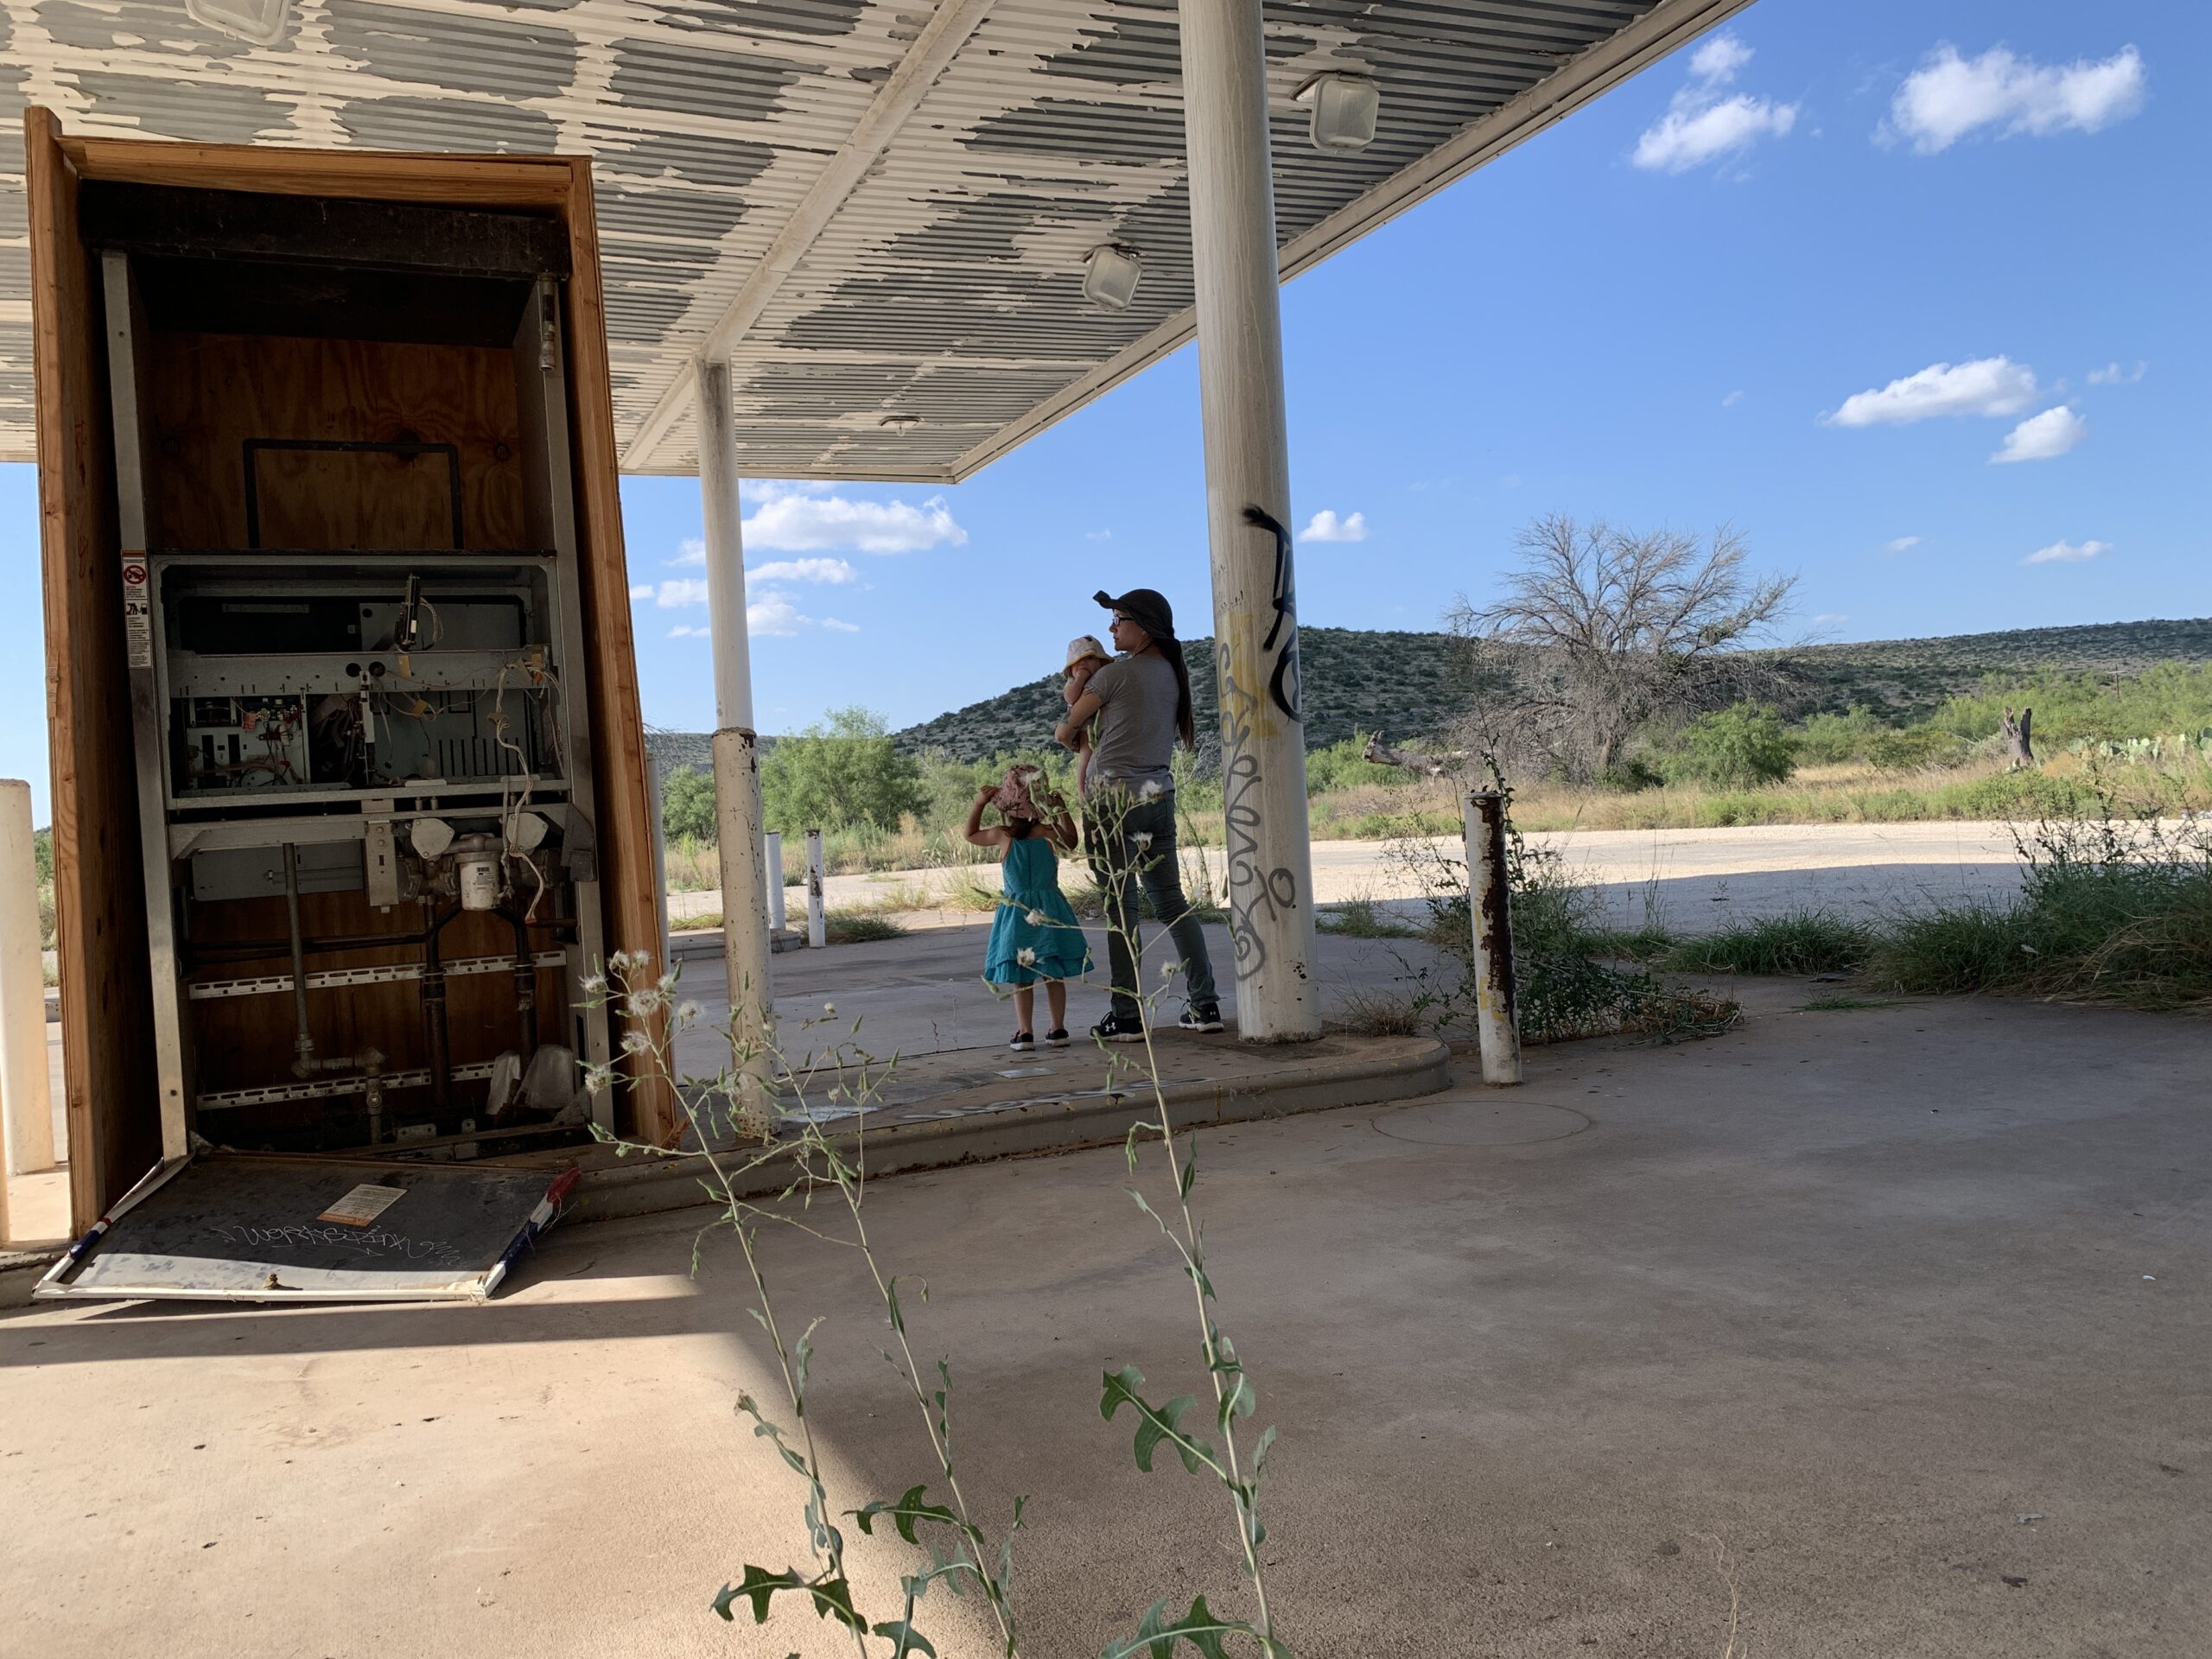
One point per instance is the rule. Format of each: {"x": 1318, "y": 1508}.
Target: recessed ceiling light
{"x": 1110, "y": 278}
{"x": 261, "y": 22}
{"x": 1344, "y": 107}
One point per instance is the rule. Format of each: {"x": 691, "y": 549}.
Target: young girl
{"x": 1035, "y": 934}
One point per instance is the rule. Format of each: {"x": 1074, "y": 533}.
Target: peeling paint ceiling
{"x": 879, "y": 211}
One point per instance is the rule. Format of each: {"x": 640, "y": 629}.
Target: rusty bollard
{"x": 1497, "y": 1021}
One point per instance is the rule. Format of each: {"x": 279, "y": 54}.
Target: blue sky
{"x": 1810, "y": 280}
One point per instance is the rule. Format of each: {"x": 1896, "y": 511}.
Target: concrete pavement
{"x": 1906, "y": 1306}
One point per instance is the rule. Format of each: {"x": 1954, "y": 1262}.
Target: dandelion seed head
{"x": 1027, "y": 957}
{"x": 1142, "y": 838}
{"x": 635, "y": 1042}
{"x": 1035, "y": 918}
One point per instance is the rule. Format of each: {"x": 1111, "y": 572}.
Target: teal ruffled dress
{"x": 1030, "y": 883}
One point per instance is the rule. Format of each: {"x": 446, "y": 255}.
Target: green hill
{"x": 1409, "y": 685}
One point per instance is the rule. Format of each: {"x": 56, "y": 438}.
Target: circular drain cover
{"x": 1477, "y": 1119}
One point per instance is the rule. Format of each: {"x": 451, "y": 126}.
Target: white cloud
{"x": 1949, "y": 97}
{"x": 773, "y": 614}
{"x": 682, "y": 592}
{"x": 794, "y": 520}
{"x": 2042, "y": 437}
{"x": 1325, "y": 526}
{"x": 1829, "y": 619}
{"x": 641, "y": 590}
{"x": 690, "y": 551}
{"x": 1097, "y": 535}
{"x": 2112, "y": 375}
{"x": 831, "y": 572}
{"x": 837, "y": 626}
{"x": 1732, "y": 398}
{"x": 1988, "y": 385}
{"x": 685, "y": 631}
{"x": 2068, "y": 553}
{"x": 1702, "y": 124}
{"x": 1902, "y": 544}
{"x": 1719, "y": 58}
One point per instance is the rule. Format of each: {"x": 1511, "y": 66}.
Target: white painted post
{"x": 1497, "y": 1021}
{"x": 737, "y": 759}
{"x": 1247, "y": 468}
{"x": 26, "y": 1094}
{"x": 817, "y": 924}
{"x": 771, "y": 855}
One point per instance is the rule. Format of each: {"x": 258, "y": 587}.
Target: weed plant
{"x": 770, "y": 1133}
{"x": 1799, "y": 942}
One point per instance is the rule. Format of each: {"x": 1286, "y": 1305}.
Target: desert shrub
{"x": 1627, "y": 776}
{"x": 2069, "y": 707}
{"x": 1917, "y": 746}
{"x": 686, "y": 805}
{"x": 2030, "y": 794}
{"x": 2109, "y": 909}
{"x": 1342, "y": 765}
{"x": 844, "y": 774}
{"x": 1799, "y": 942}
{"x": 1740, "y": 747}
{"x": 1833, "y": 740}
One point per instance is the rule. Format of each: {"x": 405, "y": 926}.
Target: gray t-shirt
{"x": 1135, "y": 732}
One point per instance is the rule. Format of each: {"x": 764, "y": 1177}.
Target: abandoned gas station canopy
{"x": 884, "y": 215}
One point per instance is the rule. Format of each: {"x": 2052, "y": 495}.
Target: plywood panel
{"x": 99, "y": 908}
{"x": 211, "y": 392}
{"x": 632, "y": 902}
{"x": 449, "y": 180}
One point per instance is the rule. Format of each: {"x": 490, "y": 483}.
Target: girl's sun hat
{"x": 1016, "y": 795}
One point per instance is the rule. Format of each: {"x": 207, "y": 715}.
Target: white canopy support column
{"x": 1248, "y": 519}
{"x": 736, "y": 746}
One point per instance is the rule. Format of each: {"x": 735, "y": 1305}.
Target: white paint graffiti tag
{"x": 354, "y": 1240}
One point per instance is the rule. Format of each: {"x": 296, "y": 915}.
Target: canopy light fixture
{"x": 1109, "y": 278}
{"x": 902, "y": 422}
{"x": 261, "y": 22}
{"x": 1344, "y": 108}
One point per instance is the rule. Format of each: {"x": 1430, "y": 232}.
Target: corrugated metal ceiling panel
{"x": 913, "y": 327}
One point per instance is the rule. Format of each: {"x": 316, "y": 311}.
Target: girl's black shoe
{"x": 1022, "y": 1043}
{"x": 1057, "y": 1038}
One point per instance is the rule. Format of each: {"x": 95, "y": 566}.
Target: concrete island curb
{"x": 1067, "y": 1121}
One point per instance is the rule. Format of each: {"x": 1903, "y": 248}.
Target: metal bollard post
{"x": 818, "y": 925}
{"x": 1498, "y": 1023}
{"x": 771, "y": 860}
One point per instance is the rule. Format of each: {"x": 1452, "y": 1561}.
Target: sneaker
{"x": 1057, "y": 1038}
{"x": 1119, "y": 1028}
{"x": 1207, "y": 1018}
{"x": 1022, "y": 1043}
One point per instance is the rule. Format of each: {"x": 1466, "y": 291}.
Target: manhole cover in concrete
{"x": 1481, "y": 1119}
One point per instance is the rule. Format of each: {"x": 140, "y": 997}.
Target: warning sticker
{"x": 363, "y": 1204}
{"x": 133, "y": 573}
{"x": 138, "y": 633}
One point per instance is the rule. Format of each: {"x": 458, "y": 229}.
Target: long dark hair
{"x": 1186, "y": 728}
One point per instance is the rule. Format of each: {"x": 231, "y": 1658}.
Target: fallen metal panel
{"x": 244, "y": 1227}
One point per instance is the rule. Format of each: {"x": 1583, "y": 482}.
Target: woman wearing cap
{"x": 1132, "y": 711}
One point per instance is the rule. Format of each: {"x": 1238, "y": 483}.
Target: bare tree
{"x": 1599, "y": 630}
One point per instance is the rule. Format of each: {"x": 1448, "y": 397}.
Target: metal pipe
{"x": 817, "y": 922}
{"x": 434, "y": 1008}
{"x": 562, "y": 929}
{"x": 1498, "y": 1023}
{"x": 1248, "y": 508}
{"x": 302, "y": 1043}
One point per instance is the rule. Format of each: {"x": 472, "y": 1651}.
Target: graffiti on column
{"x": 1283, "y": 687}
{"x": 1255, "y": 891}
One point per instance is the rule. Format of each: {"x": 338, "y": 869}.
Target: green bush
{"x": 2068, "y": 707}
{"x": 1834, "y": 740}
{"x": 848, "y": 773}
{"x": 1343, "y": 765}
{"x": 1630, "y": 776}
{"x": 1799, "y": 942}
{"x": 1738, "y": 748}
{"x": 1917, "y": 747}
{"x": 686, "y": 805}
